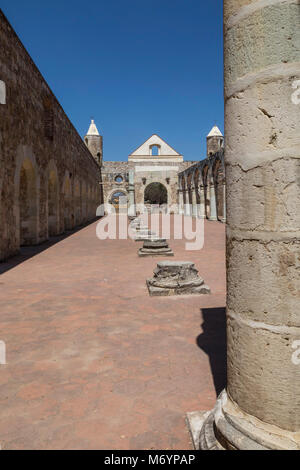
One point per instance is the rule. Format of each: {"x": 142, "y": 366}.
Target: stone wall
{"x": 114, "y": 178}
{"x": 49, "y": 181}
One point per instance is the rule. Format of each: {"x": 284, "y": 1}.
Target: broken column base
{"x": 155, "y": 247}
{"x": 176, "y": 278}
{"x": 227, "y": 427}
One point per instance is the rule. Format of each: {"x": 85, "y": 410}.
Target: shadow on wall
{"x": 27, "y": 252}
{"x": 213, "y": 342}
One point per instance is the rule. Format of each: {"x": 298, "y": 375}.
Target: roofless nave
{"x": 90, "y": 355}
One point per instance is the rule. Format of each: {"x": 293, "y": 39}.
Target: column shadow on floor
{"x": 27, "y": 252}
{"x": 213, "y": 342}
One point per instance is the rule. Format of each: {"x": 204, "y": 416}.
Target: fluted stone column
{"x": 261, "y": 406}
{"x": 213, "y": 201}
{"x": 131, "y": 202}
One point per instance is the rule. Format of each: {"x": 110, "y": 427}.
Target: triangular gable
{"x": 145, "y": 148}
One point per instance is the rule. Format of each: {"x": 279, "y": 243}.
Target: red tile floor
{"x": 92, "y": 361}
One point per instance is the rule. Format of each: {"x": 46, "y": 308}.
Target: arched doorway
{"x": 119, "y": 200}
{"x": 52, "y": 204}
{"x": 156, "y": 193}
{"x": 28, "y": 204}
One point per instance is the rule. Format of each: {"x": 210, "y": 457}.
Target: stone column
{"x": 201, "y": 211}
{"x": 213, "y": 201}
{"x": 131, "y": 202}
{"x": 180, "y": 202}
{"x": 194, "y": 203}
{"x": 187, "y": 207}
{"x": 261, "y": 407}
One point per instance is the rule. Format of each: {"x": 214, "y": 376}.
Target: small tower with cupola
{"x": 94, "y": 143}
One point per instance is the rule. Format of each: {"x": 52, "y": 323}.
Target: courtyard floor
{"x": 92, "y": 361}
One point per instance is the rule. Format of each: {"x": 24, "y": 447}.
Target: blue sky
{"x": 138, "y": 67}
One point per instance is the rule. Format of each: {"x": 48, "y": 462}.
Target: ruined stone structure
{"x": 202, "y": 185}
{"x": 155, "y": 167}
{"x": 261, "y": 407}
{"x": 49, "y": 180}
{"x": 153, "y": 163}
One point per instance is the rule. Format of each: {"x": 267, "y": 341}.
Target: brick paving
{"x": 92, "y": 361}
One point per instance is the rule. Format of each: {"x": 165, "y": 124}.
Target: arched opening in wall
{"x": 52, "y": 204}
{"x": 156, "y": 193}
{"x": 155, "y": 150}
{"x": 68, "y": 210}
{"x": 28, "y": 198}
{"x": 119, "y": 201}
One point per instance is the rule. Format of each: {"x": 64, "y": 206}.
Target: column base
{"x": 227, "y": 427}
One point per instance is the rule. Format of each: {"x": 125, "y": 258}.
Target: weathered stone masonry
{"x": 49, "y": 180}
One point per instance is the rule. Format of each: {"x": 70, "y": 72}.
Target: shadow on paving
{"x": 213, "y": 342}
{"x": 27, "y": 252}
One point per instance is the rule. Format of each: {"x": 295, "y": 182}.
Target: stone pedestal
{"x": 144, "y": 235}
{"x": 155, "y": 247}
{"x": 176, "y": 278}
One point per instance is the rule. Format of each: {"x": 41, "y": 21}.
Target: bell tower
{"x": 94, "y": 143}
{"x": 214, "y": 141}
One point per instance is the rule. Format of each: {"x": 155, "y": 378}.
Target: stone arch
{"x": 26, "y": 206}
{"x": 114, "y": 200}
{"x": 156, "y": 193}
{"x": 114, "y": 190}
{"x": 53, "y": 200}
{"x": 68, "y": 206}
